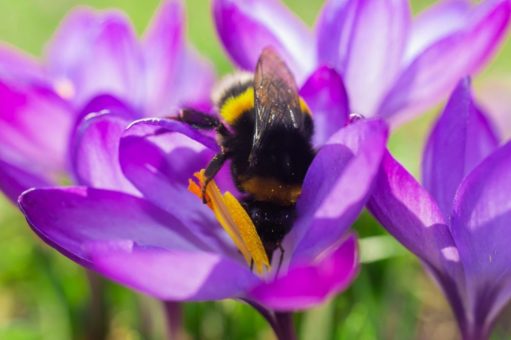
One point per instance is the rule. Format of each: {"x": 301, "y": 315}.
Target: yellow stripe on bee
{"x": 234, "y": 107}
{"x": 304, "y": 107}
{"x": 269, "y": 189}
{"x": 234, "y": 219}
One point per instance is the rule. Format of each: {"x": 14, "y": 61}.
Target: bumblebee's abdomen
{"x": 269, "y": 189}
{"x": 272, "y": 222}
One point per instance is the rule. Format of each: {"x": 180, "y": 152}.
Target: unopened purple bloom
{"x": 93, "y": 59}
{"x": 458, "y": 222}
{"x": 150, "y": 233}
{"x": 393, "y": 66}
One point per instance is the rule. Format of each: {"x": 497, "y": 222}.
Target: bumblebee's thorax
{"x": 274, "y": 172}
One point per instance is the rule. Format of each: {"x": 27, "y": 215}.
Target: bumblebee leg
{"x": 212, "y": 169}
{"x": 203, "y": 121}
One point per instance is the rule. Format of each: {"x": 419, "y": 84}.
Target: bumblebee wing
{"x": 277, "y": 101}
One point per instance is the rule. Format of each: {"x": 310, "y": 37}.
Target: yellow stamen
{"x": 234, "y": 219}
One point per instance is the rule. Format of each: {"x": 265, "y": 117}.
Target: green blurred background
{"x": 45, "y": 296}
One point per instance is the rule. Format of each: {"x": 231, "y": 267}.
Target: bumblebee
{"x": 267, "y": 137}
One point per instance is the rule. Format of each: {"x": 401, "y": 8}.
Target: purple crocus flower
{"x": 393, "y": 66}
{"x": 458, "y": 222}
{"x": 150, "y": 233}
{"x": 93, "y": 59}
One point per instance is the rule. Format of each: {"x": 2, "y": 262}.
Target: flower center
{"x": 234, "y": 219}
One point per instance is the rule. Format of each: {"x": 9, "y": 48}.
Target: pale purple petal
{"x": 193, "y": 84}
{"x": 160, "y": 156}
{"x": 14, "y": 180}
{"x": 69, "y": 218}
{"x": 438, "y": 68}
{"x": 461, "y": 138}
{"x": 482, "y": 230}
{"x": 163, "y": 46}
{"x": 35, "y": 127}
{"x": 95, "y": 53}
{"x": 95, "y": 153}
{"x": 309, "y": 284}
{"x": 336, "y": 187}
{"x": 174, "y": 274}
{"x": 326, "y": 96}
{"x": 246, "y": 27}
{"x": 438, "y": 21}
{"x": 370, "y": 46}
{"x": 18, "y": 66}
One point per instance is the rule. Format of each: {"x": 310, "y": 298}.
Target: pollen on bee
{"x": 234, "y": 220}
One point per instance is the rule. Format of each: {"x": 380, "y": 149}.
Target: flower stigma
{"x": 234, "y": 220}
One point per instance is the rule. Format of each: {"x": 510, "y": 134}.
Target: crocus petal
{"x": 36, "y": 126}
{"x": 306, "y": 285}
{"x": 95, "y": 53}
{"x": 192, "y": 85}
{"x": 14, "y": 180}
{"x": 336, "y": 187}
{"x": 17, "y": 66}
{"x": 173, "y": 274}
{"x": 366, "y": 29}
{"x": 438, "y": 21}
{"x": 438, "y": 68}
{"x": 160, "y": 156}
{"x": 326, "y": 96}
{"x": 69, "y": 218}
{"x": 461, "y": 139}
{"x": 480, "y": 226}
{"x": 246, "y": 27}
{"x": 95, "y": 155}
{"x": 162, "y": 49}
{"x": 409, "y": 213}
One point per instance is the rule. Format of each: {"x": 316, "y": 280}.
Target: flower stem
{"x": 174, "y": 316}
{"x": 267, "y": 315}
{"x": 286, "y": 326}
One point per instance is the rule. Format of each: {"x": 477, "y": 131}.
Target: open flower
{"x": 393, "y": 66}
{"x": 94, "y": 62}
{"x": 458, "y": 222}
{"x": 162, "y": 240}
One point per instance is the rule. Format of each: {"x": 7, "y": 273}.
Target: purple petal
{"x": 94, "y": 53}
{"x": 336, "y": 187}
{"x": 95, "y": 155}
{"x": 309, "y": 284}
{"x": 409, "y": 213}
{"x": 36, "y": 126}
{"x": 437, "y": 69}
{"x": 159, "y": 156}
{"x": 132, "y": 241}
{"x": 368, "y": 39}
{"x": 18, "y": 66}
{"x": 174, "y": 274}
{"x": 246, "y": 27}
{"x": 69, "y": 218}
{"x": 14, "y": 180}
{"x": 326, "y": 96}
{"x": 481, "y": 228}
{"x": 192, "y": 85}
{"x": 438, "y": 21}
{"x": 163, "y": 47}
{"x": 461, "y": 139}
